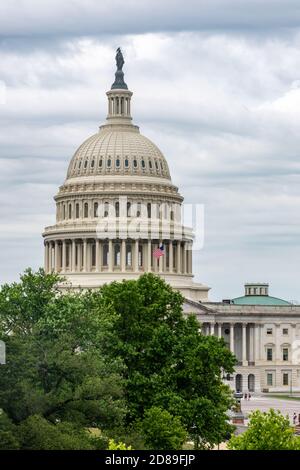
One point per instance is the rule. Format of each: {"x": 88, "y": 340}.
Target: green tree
{"x": 57, "y": 364}
{"x": 162, "y": 431}
{"x": 169, "y": 363}
{"x": 266, "y": 431}
{"x": 8, "y": 439}
{"x": 37, "y": 433}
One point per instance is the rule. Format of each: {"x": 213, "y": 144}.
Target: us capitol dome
{"x": 117, "y": 207}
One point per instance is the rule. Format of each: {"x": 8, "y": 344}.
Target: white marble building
{"x": 264, "y": 334}
{"x": 118, "y": 204}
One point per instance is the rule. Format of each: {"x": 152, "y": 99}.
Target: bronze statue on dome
{"x": 119, "y": 75}
{"x": 119, "y": 59}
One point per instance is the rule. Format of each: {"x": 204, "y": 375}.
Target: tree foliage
{"x": 168, "y": 362}
{"x": 57, "y": 368}
{"x": 111, "y": 359}
{"x": 162, "y": 431}
{"x": 266, "y": 431}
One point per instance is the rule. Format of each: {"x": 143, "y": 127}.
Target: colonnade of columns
{"x": 94, "y": 255}
{"x": 243, "y": 339}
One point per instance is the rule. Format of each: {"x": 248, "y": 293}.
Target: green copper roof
{"x": 259, "y": 300}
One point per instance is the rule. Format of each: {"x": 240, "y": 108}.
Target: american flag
{"x": 158, "y": 252}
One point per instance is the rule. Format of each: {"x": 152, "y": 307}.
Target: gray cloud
{"x": 223, "y": 105}
{"x": 75, "y": 17}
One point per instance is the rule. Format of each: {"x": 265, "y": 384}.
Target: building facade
{"x": 118, "y": 205}
{"x": 264, "y": 334}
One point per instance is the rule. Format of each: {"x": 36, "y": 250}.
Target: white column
{"x": 49, "y": 257}
{"x": 46, "y": 258}
{"x": 123, "y": 256}
{"x": 212, "y": 329}
{"x": 56, "y": 257}
{"x": 149, "y": 257}
{"x": 73, "y": 257}
{"x": 184, "y": 258}
{"x": 232, "y": 337}
{"x": 64, "y": 256}
{"x": 79, "y": 254}
{"x": 136, "y": 256}
{"x": 190, "y": 255}
{"x": 170, "y": 257}
{"x": 255, "y": 340}
{"x": 244, "y": 344}
{"x": 85, "y": 255}
{"x": 262, "y": 343}
{"x": 97, "y": 255}
{"x": 219, "y": 330}
{"x": 178, "y": 257}
{"x": 110, "y": 255}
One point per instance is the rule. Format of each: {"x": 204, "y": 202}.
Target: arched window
{"x": 93, "y": 164}
{"x": 117, "y": 209}
{"x": 172, "y": 215}
{"x": 64, "y": 212}
{"x": 95, "y": 209}
{"x": 138, "y": 209}
{"x": 79, "y": 165}
{"x": 149, "y": 210}
{"x": 85, "y": 164}
{"x": 70, "y": 211}
{"x": 109, "y": 163}
{"x": 100, "y": 163}
{"x": 106, "y": 209}
{"x": 135, "y": 164}
{"x": 126, "y": 163}
{"x": 118, "y": 163}
{"x": 105, "y": 254}
{"x": 77, "y": 211}
{"x": 150, "y": 164}
{"x": 143, "y": 164}
{"x": 128, "y": 254}
{"x": 128, "y": 209}
{"x": 117, "y": 254}
{"x": 86, "y": 210}
{"x": 156, "y": 165}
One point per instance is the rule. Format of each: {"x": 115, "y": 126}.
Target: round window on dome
{"x": 126, "y": 163}
{"x": 109, "y": 163}
{"x": 118, "y": 163}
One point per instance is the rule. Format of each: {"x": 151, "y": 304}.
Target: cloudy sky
{"x": 216, "y": 85}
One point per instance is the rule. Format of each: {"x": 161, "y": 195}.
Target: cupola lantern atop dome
{"x": 119, "y": 97}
